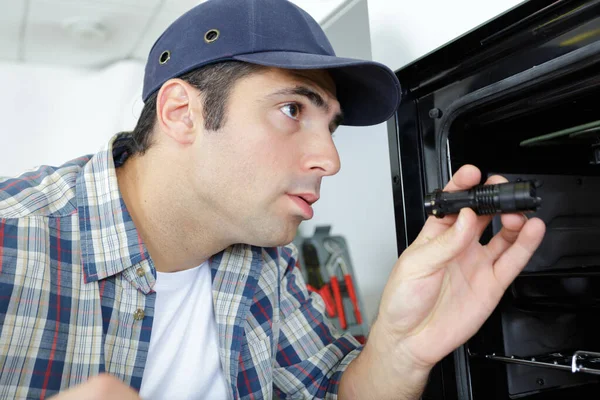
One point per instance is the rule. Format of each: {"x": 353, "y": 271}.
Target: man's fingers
{"x": 511, "y": 226}
{"x": 434, "y": 227}
{"x": 99, "y": 387}
{"x": 466, "y": 177}
{"x": 485, "y": 220}
{"x": 512, "y": 260}
{"x": 434, "y": 254}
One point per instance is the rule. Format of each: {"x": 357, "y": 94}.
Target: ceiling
{"x": 94, "y": 33}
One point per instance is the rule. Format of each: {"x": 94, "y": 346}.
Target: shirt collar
{"x": 110, "y": 243}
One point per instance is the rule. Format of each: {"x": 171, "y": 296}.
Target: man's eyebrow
{"x": 337, "y": 121}
{"x": 315, "y": 98}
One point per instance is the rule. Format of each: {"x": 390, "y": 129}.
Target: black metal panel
{"x": 408, "y": 193}
{"x": 521, "y": 39}
{"x": 514, "y": 33}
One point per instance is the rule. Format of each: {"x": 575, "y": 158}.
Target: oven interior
{"x": 543, "y": 340}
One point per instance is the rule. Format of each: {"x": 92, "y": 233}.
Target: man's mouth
{"x": 308, "y": 197}
{"x": 304, "y": 201}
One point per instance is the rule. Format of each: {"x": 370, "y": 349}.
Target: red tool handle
{"x": 338, "y": 302}
{"x": 352, "y": 294}
{"x": 326, "y": 295}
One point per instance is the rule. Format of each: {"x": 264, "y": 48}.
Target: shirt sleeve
{"x": 311, "y": 354}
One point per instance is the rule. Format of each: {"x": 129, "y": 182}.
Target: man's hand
{"x": 99, "y": 388}
{"x": 440, "y": 292}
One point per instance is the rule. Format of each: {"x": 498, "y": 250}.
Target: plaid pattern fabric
{"x": 76, "y": 295}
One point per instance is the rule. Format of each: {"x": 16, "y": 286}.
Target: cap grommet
{"x": 212, "y": 35}
{"x": 164, "y": 57}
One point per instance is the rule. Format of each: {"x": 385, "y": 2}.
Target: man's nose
{"x": 322, "y": 155}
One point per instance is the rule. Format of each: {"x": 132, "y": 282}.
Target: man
{"x": 162, "y": 266}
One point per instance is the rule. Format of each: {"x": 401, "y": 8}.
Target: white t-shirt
{"x": 183, "y": 360}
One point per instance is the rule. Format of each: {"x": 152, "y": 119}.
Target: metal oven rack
{"x": 579, "y": 361}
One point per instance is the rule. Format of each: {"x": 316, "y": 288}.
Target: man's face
{"x": 261, "y": 172}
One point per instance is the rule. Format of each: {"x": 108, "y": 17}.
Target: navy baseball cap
{"x": 274, "y": 33}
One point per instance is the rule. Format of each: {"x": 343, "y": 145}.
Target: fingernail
{"x": 460, "y": 222}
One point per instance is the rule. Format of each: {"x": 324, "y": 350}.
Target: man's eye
{"x": 292, "y": 110}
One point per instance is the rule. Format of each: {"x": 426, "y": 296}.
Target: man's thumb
{"x": 453, "y": 241}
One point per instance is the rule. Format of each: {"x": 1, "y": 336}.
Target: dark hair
{"x": 214, "y": 82}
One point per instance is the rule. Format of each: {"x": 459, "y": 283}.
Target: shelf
{"x": 580, "y": 361}
{"x": 583, "y": 130}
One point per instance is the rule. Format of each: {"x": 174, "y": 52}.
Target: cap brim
{"x": 368, "y": 92}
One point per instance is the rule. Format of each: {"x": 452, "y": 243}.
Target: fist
{"x": 99, "y": 387}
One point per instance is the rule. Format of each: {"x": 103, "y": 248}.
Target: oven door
{"x": 471, "y": 102}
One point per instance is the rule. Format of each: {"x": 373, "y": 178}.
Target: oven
{"x": 518, "y": 96}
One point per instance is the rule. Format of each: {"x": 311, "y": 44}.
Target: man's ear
{"x": 176, "y": 110}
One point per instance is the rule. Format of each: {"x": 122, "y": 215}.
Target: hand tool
{"x": 315, "y": 281}
{"x": 336, "y": 259}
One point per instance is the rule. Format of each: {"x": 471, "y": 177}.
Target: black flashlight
{"x": 506, "y": 197}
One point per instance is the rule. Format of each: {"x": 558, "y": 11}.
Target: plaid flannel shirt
{"x": 76, "y": 295}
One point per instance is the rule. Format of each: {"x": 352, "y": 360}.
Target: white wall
{"x": 357, "y": 202}
{"x": 404, "y": 30}
{"x": 51, "y": 115}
